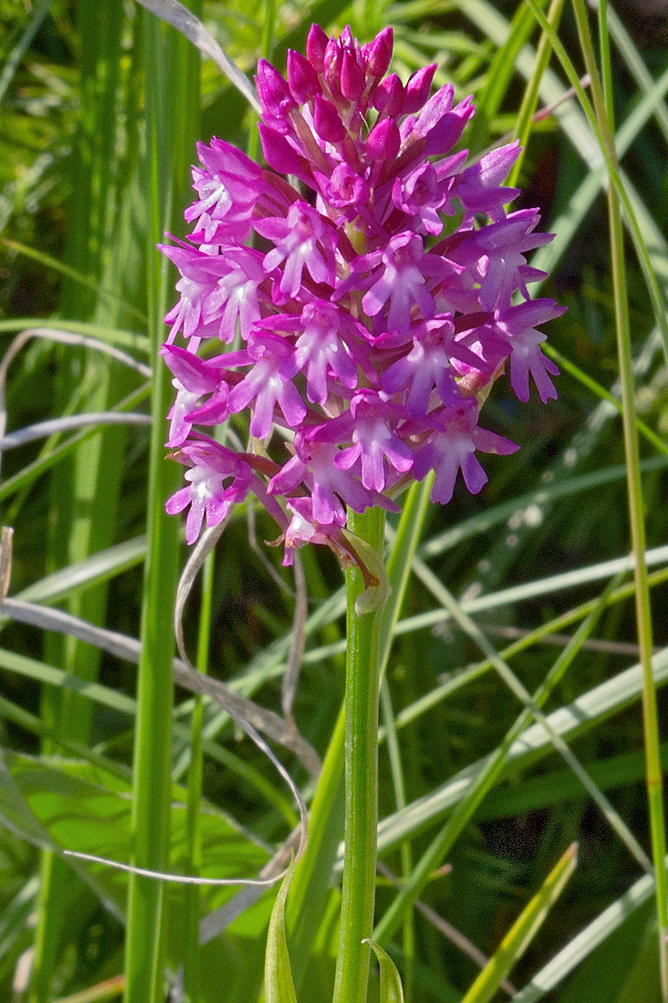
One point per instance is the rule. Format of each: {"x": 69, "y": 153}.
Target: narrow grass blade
{"x": 110, "y": 989}
{"x": 170, "y": 67}
{"x": 633, "y": 60}
{"x": 532, "y": 745}
{"x": 582, "y": 945}
{"x": 55, "y": 426}
{"x": 13, "y": 59}
{"x": 27, "y": 476}
{"x": 602, "y": 95}
{"x": 606, "y": 144}
{"x": 278, "y": 984}
{"x": 524, "y": 122}
{"x": 72, "y": 274}
{"x": 501, "y": 71}
{"x": 516, "y": 941}
{"x": 99, "y": 332}
{"x": 488, "y": 775}
{"x": 92, "y": 570}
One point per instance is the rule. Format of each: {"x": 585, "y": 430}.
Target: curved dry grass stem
{"x": 129, "y": 649}
{"x": 191, "y": 27}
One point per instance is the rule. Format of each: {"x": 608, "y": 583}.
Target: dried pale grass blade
{"x": 200, "y": 552}
{"x": 65, "y": 338}
{"x": 128, "y": 648}
{"x": 55, "y": 426}
{"x": 177, "y": 879}
{"x": 258, "y": 551}
{"x": 6, "y": 542}
{"x": 68, "y": 338}
{"x": 191, "y": 27}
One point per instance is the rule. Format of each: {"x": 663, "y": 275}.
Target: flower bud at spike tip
{"x": 326, "y": 121}
{"x": 332, "y": 71}
{"x": 389, "y": 98}
{"x": 316, "y": 43}
{"x": 379, "y": 53}
{"x": 368, "y": 338}
{"x": 280, "y": 155}
{"x": 303, "y": 79}
{"x": 275, "y": 96}
{"x": 417, "y": 89}
{"x": 384, "y": 140}
{"x": 352, "y": 78}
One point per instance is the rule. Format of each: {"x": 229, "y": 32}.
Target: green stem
{"x": 524, "y": 123}
{"x": 361, "y": 777}
{"x": 602, "y": 96}
{"x": 310, "y": 883}
{"x": 172, "y": 68}
{"x": 394, "y": 755}
{"x": 191, "y": 952}
{"x": 266, "y": 45}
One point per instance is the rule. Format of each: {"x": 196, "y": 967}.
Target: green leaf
{"x": 69, "y": 804}
{"x": 390, "y": 981}
{"x": 516, "y": 941}
{"x": 624, "y": 968}
{"x": 279, "y": 987}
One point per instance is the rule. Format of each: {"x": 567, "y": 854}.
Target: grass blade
{"x": 522, "y": 932}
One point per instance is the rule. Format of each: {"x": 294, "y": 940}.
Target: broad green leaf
{"x": 516, "y": 941}
{"x": 391, "y": 990}
{"x": 68, "y": 804}
{"x": 279, "y": 987}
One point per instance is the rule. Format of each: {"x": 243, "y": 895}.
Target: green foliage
{"x": 278, "y": 984}
{"x": 391, "y": 990}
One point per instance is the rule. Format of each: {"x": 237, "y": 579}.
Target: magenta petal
{"x": 475, "y": 477}
{"x": 444, "y": 481}
{"x": 178, "y": 501}
{"x": 281, "y": 156}
{"x": 347, "y": 457}
{"x": 379, "y": 53}
{"x": 316, "y": 43}
{"x": 302, "y": 78}
{"x": 194, "y": 521}
{"x": 491, "y": 442}
{"x": 292, "y": 406}
{"x": 384, "y": 140}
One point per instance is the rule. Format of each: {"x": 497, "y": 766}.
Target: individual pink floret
{"x": 205, "y": 494}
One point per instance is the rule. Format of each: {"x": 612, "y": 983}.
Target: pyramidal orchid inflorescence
{"x": 365, "y": 328}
